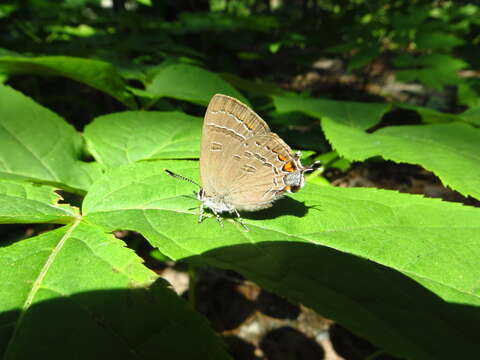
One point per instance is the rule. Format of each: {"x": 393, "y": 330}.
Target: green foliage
{"x": 374, "y": 260}
{"x": 79, "y": 290}
{"x": 445, "y": 149}
{"x": 22, "y": 202}
{"x": 123, "y": 138}
{"x": 38, "y": 145}
{"x": 97, "y": 74}
{"x": 176, "y": 81}
{"x": 423, "y": 38}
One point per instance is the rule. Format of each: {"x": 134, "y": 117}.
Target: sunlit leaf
{"x": 290, "y": 249}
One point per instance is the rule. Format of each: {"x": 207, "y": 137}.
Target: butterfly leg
{"x": 219, "y": 218}
{"x": 200, "y": 213}
{"x": 240, "y": 220}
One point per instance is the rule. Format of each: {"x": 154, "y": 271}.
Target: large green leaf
{"x": 38, "y": 145}
{"x": 122, "y": 138}
{"x": 191, "y": 83}
{"x": 77, "y": 292}
{"x": 22, "y": 202}
{"x": 446, "y": 149}
{"x": 358, "y": 115}
{"x": 289, "y": 251}
{"x": 97, "y": 74}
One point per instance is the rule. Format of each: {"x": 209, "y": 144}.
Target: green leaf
{"x": 416, "y": 15}
{"x": 446, "y": 149}
{"x": 22, "y": 202}
{"x": 122, "y": 138}
{"x": 97, "y": 74}
{"x": 363, "y": 57}
{"x": 429, "y": 250}
{"x": 471, "y": 116}
{"x": 437, "y": 40}
{"x": 440, "y": 61}
{"x": 430, "y": 116}
{"x": 358, "y": 115}
{"x": 38, "y": 145}
{"x": 433, "y": 77}
{"x": 405, "y": 60}
{"x": 469, "y": 92}
{"x": 253, "y": 87}
{"x": 190, "y": 83}
{"x": 434, "y": 70}
{"x": 145, "y": 2}
{"x": 333, "y": 160}
{"x": 77, "y": 290}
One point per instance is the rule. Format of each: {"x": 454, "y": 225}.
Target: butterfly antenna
{"x": 313, "y": 167}
{"x": 181, "y": 177}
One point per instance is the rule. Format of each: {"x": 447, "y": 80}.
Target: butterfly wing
{"x": 228, "y": 124}
{"x": 259, "y": 168}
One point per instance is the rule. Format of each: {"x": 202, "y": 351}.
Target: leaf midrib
{"x": 38, "y": 281}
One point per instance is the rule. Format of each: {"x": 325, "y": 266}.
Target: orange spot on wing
{"x": 287, "y": 188}
{"x": 281, "y": 157}
{"x": 249, "y": 125}
{"x": 289, "y": 167}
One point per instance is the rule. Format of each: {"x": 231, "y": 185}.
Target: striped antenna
{"x": 172, "y": 174}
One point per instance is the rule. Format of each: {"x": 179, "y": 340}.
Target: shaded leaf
{"x": 363, "y": 57}
{"x": 469, "y": 92}
{"x": 434, "y": 70}
{"x": 97, "y": 74}
{"x": 253, "y": 87}
{"x": 77, "y": 290}
{"x": 429, "y": 115}
{"x": 471, "y": 116}
{"x": 437, "y": 40}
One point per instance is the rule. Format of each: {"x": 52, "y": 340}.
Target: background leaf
{"x": 445, "y": 149}
{"x": 97, "y": 74}
{"x": 472, "y": 116}
{"x": 122, "y": 138}
{"x": 358, "y": 115}
{"x": 190, "y": 83}
{"x": 437, "y": 40}
{"x": 36, "y": 144}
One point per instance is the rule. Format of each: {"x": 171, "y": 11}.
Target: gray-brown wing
{"x": 256, "y": 172}
{"x": 228, "y": 123}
